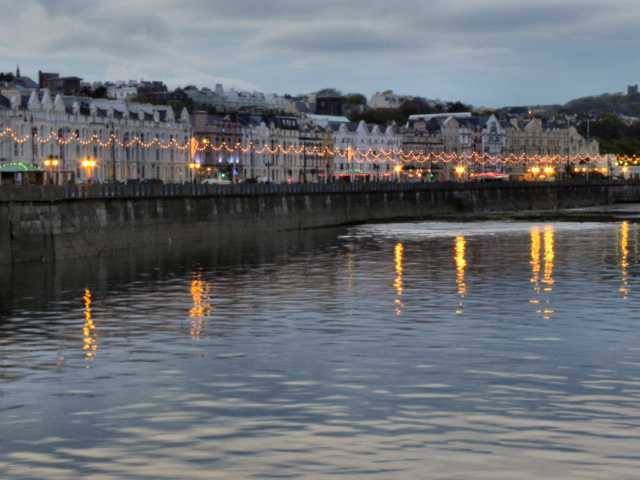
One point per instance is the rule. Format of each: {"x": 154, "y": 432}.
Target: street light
{"x": 460, "y": 171}
{"x": 89, "y": 163}
{"x": 398, "y": 169}
{"x": 535, "y": 171}
{"x": 194, "y": 166}
{"x": 51, "y": 163}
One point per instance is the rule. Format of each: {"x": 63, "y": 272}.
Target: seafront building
{"x": 541, "y": 142}
{"x": 75, "y": 139}
{"x": 216, "y": 153}
{"x": 364, "y": 149}
{"x": 464, "y": 146}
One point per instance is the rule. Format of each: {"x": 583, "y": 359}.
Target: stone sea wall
{"x": 46, "y": 223}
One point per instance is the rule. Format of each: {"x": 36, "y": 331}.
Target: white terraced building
{"x": 150, "y": 141}
{"x": 360, "y": 148}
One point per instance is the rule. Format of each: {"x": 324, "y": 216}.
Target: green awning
{"x": 19, "y": 168}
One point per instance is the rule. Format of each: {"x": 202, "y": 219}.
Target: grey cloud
{"x": 334, "y": 39}
{"x": 358, "y": 45}
{"x": 57, "y": 8}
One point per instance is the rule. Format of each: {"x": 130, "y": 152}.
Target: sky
{"x": 485, "y": 53}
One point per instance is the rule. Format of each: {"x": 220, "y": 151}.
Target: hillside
{"x": 614, "y": 103}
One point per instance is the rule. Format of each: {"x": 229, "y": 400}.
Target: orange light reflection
{"x": 460, "y": 264}
{"x": 624, "y": 261}
{"x": 398, "y": 282}
{"x": 201, "y": 309}
{"x": 547, "y": 279}
{"x": 90, "y": 346}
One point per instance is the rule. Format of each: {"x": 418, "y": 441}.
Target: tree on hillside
{"x": 7, "y": 77}
{"x": 458, "y": 107}
{"x": 625, "y": 146}
{"x": 140, "y": 98}
{"x": 99, "y": 92}
{"x": 613, "y": 135}
{"x": 609, "y": 127}
{"x": 417, "y": 106}
{"x": 356, "y": 99}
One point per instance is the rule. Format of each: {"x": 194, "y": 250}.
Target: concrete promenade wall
{"x": 50, "y": 222}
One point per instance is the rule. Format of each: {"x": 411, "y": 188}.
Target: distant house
{"x": 388, "y": 100}
{"x": 57, "y": 84}
{"x": 329, "y": 102}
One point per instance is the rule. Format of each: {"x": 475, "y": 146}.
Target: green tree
{"x": 609, "y": 127}
{"x": 99, "y": 92}
{"x": 356, "y": 99}
{"x": 458, "y": 107}
{"x": 627, "y": 146}
{"x": 416, "y": 106}
{"x": 140, "y": 98}
{"x": 176, "y": 105}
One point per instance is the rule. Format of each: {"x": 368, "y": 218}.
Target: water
{"x": 427, "y": 350}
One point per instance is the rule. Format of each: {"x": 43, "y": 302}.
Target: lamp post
{"x": 88, "y": 163}
{"x": 535, "y": 171}
{"x": 304, "y": 160}
{"x": 460, "y": 171}
{"x": 548, "y": 171}
{"x": 194, "y": 167}
{"x": 51, "y": 163}
{"x": 113, "y": 152}
{"x": 252, "y": 172}
{"x": 304, "y": 138}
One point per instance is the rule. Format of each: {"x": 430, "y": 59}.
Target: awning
{"x": 353, "y": 172}
{"x": 19, "y": 168}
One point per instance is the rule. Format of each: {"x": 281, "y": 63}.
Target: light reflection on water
{"x": 427, "y": 350}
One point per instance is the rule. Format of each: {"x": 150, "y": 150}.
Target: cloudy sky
{"x": 490, "y": 53}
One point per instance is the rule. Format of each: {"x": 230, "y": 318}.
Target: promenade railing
{"x": 10, "y": 193}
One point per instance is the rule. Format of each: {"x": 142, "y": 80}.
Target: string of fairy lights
{"x": 350, "y": 153}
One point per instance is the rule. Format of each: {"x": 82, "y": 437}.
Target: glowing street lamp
{"x": 51, "y": 163}
{"x": 89, "y": 163}
{"x": 460, "y": 171}
{"x": 535, "y": 171}
{"x": 194, "y": 166}
{"x": 398, "y": 169}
